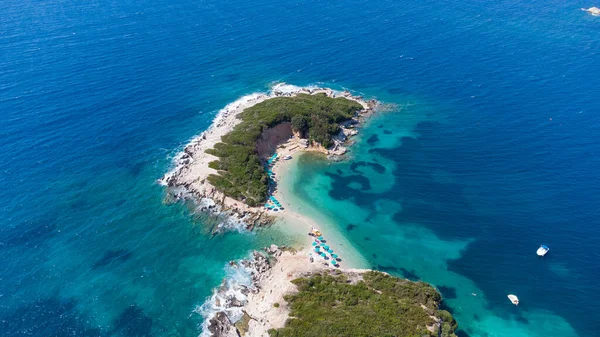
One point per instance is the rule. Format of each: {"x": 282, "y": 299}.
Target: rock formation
{"x": 223, "y": 323}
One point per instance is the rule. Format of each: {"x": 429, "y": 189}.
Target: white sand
{"x": 261, "y": 307}
{"x": 274, "y": 285}
{"x": 300, "y": 217}
{"x": 189, "y": 177}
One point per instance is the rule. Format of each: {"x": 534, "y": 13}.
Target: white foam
{"x": 238, "y": 278}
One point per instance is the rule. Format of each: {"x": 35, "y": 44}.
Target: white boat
{"x": 514, "y": 299}
{"x": 287, "y": 157}
{"x": 542, "y": 250}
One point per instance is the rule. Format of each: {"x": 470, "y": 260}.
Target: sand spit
{"x": 188, "y": 179}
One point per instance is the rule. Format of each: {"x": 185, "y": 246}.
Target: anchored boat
{"x": 514, "y": 299}
{"x": 542, "y": 250}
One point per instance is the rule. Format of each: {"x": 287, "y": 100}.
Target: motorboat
{"x": 514, "y": 299}
{"x": 287, "y": 157}
{"x": 543, "y": 250}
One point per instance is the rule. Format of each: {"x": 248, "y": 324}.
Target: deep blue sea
{"x": 490, "y": 149}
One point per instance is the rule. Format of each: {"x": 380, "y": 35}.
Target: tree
{"x": 299, "y": 123}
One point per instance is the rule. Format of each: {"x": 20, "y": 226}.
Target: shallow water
{"x": 416, "y": 208}
{"x": 499, "y": 153}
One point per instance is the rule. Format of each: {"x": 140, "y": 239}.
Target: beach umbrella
{"x": 266, "y": 205}
{"x": 333, "y": 262}
{"x": 326, "y": 247}
{"x": 320, "y": 238}
{"x": 323, "y": 255}
{"x": 335, "y": 256}
{"x": 314, "y": 243}
{"x": 330, "y": 251}
{"x": 317, "y": 250}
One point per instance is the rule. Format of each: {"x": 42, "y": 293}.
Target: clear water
{"x": 493, "y": 151}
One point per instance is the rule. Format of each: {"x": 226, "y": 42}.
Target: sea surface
{"x": 488, "y": 149}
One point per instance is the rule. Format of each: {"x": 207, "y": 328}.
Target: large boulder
{"x": 220, "y": 326}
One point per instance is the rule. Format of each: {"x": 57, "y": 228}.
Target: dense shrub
{"x": 300, "y": 123}
{"x": 379, "y": 305}
{"x": 241, "y": 174}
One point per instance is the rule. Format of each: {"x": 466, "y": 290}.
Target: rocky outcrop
{"x": 348, "y": 129}
{"x": 231, "y": 298}
{"x": 220, "y": 326}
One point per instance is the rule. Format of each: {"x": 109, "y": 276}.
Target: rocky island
{"x": 286, "y": 296}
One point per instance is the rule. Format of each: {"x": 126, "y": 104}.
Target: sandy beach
{"x": 267, "y": 309}
{"x": 253, "y": 309}
{"x": 187, "y": 180}
{"x": 261, "y": 307}
{"x": 298, "y": 217}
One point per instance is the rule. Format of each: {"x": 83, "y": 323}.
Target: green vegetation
{"x": 243, "y": 324}
{"x": 379, "y": 305}
{"x": 276, "y": 305}
{"x": 241, "y": 174}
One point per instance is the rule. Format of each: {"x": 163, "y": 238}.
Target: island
{"x": 289, "y": 297}
{"x": 225, "y": 169}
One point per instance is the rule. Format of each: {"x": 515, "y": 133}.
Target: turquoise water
{"x": 401, "y": 214}
{"x": 493, "y": 151}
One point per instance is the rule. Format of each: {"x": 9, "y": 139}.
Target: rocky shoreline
{"x": 231, "y": 298}
{"x": 255, "y": 308}
{"x": 188, "y": 179}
